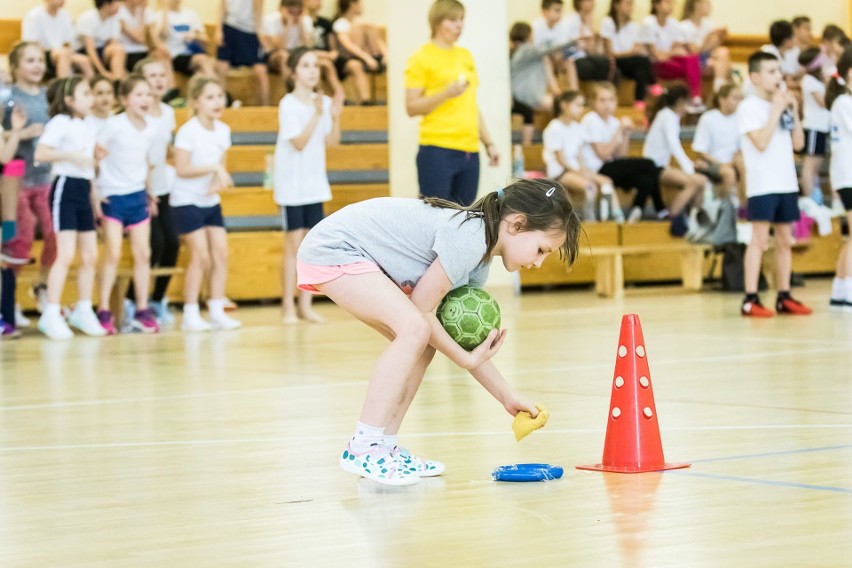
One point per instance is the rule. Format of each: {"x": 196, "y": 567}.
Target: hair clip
{"x": 500, "y": 193}
{"x": 551, "y": 191}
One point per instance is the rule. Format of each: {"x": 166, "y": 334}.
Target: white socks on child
{"x": 216, "y": 308}
{"x": 847, "y": 288}
{"x": 365, "y": 437}
{"x": 841, "y": 289}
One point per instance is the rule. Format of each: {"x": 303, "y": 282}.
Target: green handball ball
{"x": 469, "y": 314}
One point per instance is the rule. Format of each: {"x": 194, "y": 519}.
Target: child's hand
{"x": 100, "y": 152}
{"x": 515, "y": 405}
{"x": 336, "y": 107}
{"x": 779, "y": 101}
{"x": 456, "y": 88}
{"x": 371, "y": 63}
{"x": 793, "y": 103}
{"x": 153, "y": 205}
{"x": 19, "y": 118}
{"x": 486, "y": 350}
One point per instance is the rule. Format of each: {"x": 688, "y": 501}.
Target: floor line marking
{"x": 775, "y": 454}
{"x": 755, "y": 481}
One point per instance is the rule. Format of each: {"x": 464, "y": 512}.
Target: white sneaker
{"x": 635, "y": 215}
{"x": 54, "y": 327}
{"x": 195, "y": 325}
{"x": 20, "y": 319}
{"x": 224, "y": 322}
{"x": 87, "y": 322}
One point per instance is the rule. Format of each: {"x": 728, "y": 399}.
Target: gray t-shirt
{"x": 528, "y": 74}
{"x": 403, "y": 237}
{"x": 36, "y": 107}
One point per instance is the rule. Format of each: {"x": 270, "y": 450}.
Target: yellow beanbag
{"x": 524, "y": 423}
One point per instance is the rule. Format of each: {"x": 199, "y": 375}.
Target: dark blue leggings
{"x": 449, "y": 174}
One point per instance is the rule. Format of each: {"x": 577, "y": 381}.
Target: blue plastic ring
{"x": 527, "y": 472}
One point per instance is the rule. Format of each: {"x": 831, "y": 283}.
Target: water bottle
{"x": 604, "y": 208}
{"x": 816, "y": 194}
{"x": 787, "y": 120}
{"x": 268, "y": 172}
{"x": 518, "y": 162}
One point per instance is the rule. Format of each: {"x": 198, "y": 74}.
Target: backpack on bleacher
{"x": 714, "y": 223}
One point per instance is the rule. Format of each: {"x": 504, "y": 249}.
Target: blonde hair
{"x": 444, "y": 10}
{"x": 141, "y": 65}
{"x": 603, "y": 86}
{"x": 197, "y": 85}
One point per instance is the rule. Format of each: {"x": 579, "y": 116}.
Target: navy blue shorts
{"x": 774, "y": 208}
{"x": 449, "y": 174}
{"x": 295, "y": 217}
{"x": 239, "y": 48}
{"x": 190, "y": 218}
{"x": 816, "y": 143}
{"x": 130, "y": 210}
{"x": 846, "y": 197}
{"x": 71, "y": 205}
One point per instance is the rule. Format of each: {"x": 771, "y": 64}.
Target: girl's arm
{"x": 333, "y": 138}
{"x": 560, "y": 159}
{"x": 92, "y": 53}
{"x": 218, "y": 34}
{"x": 417, "y": 104}
{"x": 136, "y": 34}
{"x": 355, "y": 50}
{"x": 257, "y": 6}
{"x": 607, "y": 150}
{"x": 672, "y": 133}
{"x": 490, "y": 148}
{"x": 185, "y": 169}
{"x": 299, "y": 142}
{"x": 44, "y": 153}
{"x": 493, "y": 381}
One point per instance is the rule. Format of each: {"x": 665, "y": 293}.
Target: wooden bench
{"x": 609, "y": 273}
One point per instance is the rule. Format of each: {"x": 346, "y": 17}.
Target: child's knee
{"x": 416, "y": 332}
{"x": 200, "y": 258}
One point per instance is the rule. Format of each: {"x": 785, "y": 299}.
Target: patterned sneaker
{"x": 54, "y": 327}
{"x": 378, "y": 464}
{"x": 145, "y": 321}
{"x": 755, "y": 310}
{"x": 87, "y": 322}
{"x": 105, "y": 317}
{"x": 790, "y": 307}
{"x": 423, "y": 468}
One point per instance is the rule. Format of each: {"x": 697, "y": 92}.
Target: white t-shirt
{"x": 300, "y": 177}
{"x": 663, "y": 142}
{"x": 90, "y": 24}
{"x": 178, "y": 26}
{"x": 597, "y": 130}
{"x": 695, "y": 35}
{"x": 97, "y": 123}
{"x": 342, "y": 26}
{"x": 623, "y": 40}
{"x": 162, "y": 175}
{"x": 273, "y": 26}
{"x": 565, "y": 138}
{"x": 717, "y": 135}
{"x": 206, "y": 148}
{"x": 841, "y": 142}
{"x": 789, "y": 61}
{"x": 576, "y": 27}
{"x": 130, "y": 20}
{"x": 66, "y": 134}
{"x": 126, "y": 167}
{"x": 544, "y": 36}
{"x": 816, "y": 117}
{"x": 50, "y": 32}
{"x": 239, "y": 14}
{"x": 773, "y": 170}
{"x": 661, "y": 37}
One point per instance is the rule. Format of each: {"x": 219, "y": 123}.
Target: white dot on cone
{"x": 644, "y": 382}
{"x": 622, "y": 351}
{"x": 640, "y": 351}
{"x": 619, "y": 382}
{"x": 648, "y": 412}
{"x": 616, "y": 412}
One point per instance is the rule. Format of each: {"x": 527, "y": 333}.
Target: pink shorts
{"x": 310, "y": 274}
{"x": 15, "y": 168}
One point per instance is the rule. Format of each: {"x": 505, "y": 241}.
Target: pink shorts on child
{"x": 14, "y": 168}
{"x": 310, "y": 274}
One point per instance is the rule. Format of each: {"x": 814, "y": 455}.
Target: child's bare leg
{"x": 810, "y": 171}
{"x": 754, "y": 255}
{"x": 113, "y": 232}
{"x": 199, "y": 263}
{"x": 411, "y": 386}
{"x": 140, "y": 248}
{"x": 292, "y": 241}
{"x": 66, "y": 244}
{"x": 362, "y": 82}
{"x": 88, "y": 243}
{"x": 262, "y": 75}
{"x": 784, "y": 254}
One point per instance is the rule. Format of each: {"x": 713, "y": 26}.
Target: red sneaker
{"x": 789, "y": 306}
{"x": 755, "y": 310}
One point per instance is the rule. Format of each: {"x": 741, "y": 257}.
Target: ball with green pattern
{"x": 469, "y": 314}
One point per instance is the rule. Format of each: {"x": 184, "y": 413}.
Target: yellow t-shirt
{"x": 455, "y": 123}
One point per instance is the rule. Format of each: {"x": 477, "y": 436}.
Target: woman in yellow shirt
{"x": 440, "y": 82}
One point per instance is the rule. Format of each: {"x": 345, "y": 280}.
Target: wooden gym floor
{"x": 221, "y": 449}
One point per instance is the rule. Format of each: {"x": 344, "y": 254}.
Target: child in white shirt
{"x": 816, "y": 120}
{"x": 717, "y": 141}
{"x": 707, "y": 41}
{"x": 50, "y": 25}
{"x": 770, "y": 130}
{"x": 286, "y": 29}
{"x": 185, "y": 38}
{"x": 239, "y": 36}
{"x": 98, "y": 32}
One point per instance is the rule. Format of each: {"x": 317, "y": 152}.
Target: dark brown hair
{"x": 544, "y": 204}
{"x": 723, "y": 93}
{"x": 668, "y": 99}
{"x": 58, "y": 91}
{"x": 293, "y": 61}
{"x": 808, "y": 56}
{"x": 520, "y": 32}
{"x": 613, "y": 13}
{"x": 566, "y": 97}
{"x": 834, "y": 88}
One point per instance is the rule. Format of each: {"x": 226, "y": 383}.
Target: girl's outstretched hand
{"x": 487, "y": 349}
{"x": 515, "y": 405}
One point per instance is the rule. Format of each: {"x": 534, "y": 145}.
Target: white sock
{"x": 607, "y": 189}
{"x": 366, "y": 436}
{"x": 84, "y": 305}
{"x": 838, "y": 289}
{"x": 216, "y": 308}
{"x": 847, "y": 284}
{"x": 51, "y": 310}
{"x": 191, "y": 311}
{"x": 390, "y": 441}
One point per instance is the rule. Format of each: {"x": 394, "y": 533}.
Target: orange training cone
{"x": 632, "y": 432}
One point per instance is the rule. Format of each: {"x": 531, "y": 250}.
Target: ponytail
{"x": 668, "y": 99}
{"x": 838, "y": 85}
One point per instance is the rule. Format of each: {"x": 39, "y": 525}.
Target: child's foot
{"x": 161, "y": 310}
{"x": 8, "y": 331}
{"x": 54, "y": 327}
{"x": 754, "y": 309}
{"x": 105, "y": 318}
{"x": 20, "y": 319}
{"x": 224, "y": 322}
{"x": 145, "y": 321}
{"x": 790, "y": 307}
{"x": 291, "y": 317}
{"x": 84, "y": 320}
{"x": 378, "y": 464}
{"x": 311, "y": 316}
{"x": 423, "y": 468}
{"x": 195, "y": 324}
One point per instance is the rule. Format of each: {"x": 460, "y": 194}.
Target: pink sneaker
{"x": 105, "y": 317}
{"x": 423, "y": 468}
{"x": 378, "y": 464}
{"x": 145, "y": 321}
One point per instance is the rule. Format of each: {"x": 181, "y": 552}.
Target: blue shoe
{"x": 161, "y": 310}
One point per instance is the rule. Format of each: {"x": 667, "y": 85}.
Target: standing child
{"x": 770, "y": 129}
{"x": 103, "y": 102}
{"x": 33, "y": 210}
{"x": 663, "y": 142}
{"x": 717, "y": 141}
{"x": 68, "y": 143}
{"x": 127, "y": 139}
{"x": 308, "y": 122}
{"x": 241, "y": 43}
{"x": 368, "y": 256}
{"x": 8, "y": 148}
{"x": 816, "y": 121}
{"x": 563, "y": 143}
{"x": 200, "y": 153}
{"x": 839, "y": 99}
{"x": 165, "y": 244}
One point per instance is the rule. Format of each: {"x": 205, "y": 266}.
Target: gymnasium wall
{"x": 748, "y": 17}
